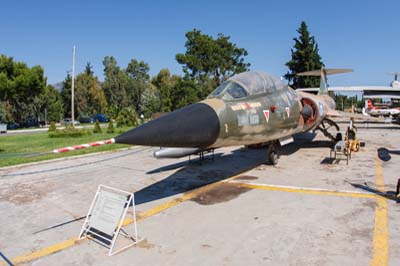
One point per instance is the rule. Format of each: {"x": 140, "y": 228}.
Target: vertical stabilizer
{"x": 368, "y": 104}
{"x": 323, "y": 84}
{"x": 323, "y": 73}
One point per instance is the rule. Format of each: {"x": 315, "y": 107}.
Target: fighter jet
{"x": 248, "y": 109}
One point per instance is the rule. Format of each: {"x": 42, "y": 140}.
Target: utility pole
{"x": 342, "y": 97}
{"x": 72, "y": 87}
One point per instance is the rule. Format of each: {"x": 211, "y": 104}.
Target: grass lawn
{"x": 24, "y": 148}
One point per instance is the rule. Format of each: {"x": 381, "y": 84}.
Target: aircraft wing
{"x": 370, "y": 92}
{"x": 336, "y": 113}
{"x": 362, "y": 88}
{"x": 308, "y": 89}
{"x": 353, "y": 88}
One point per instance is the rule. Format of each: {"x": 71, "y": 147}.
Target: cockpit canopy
{"x": 246, "y": 84}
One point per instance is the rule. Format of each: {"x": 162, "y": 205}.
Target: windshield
{"x": 231, "y": 90}
{"x": 258, "y": 82}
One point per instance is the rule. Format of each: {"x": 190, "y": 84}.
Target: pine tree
{"x": 110, "y": 128}
{"x": 305, "y": 57}
{"x": 52, "y": 127}
{"x": 97, "y": 128}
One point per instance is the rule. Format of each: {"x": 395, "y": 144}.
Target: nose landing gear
{"x": 272, "y": 154}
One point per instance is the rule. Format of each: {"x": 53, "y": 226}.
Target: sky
{"x": 363, "y": 35}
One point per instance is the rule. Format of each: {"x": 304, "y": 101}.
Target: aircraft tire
{"x": 273, "y": 158}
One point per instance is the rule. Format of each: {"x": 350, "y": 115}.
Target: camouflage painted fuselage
{"x": 264, "y": 118}
{"x": 249, "y": 108}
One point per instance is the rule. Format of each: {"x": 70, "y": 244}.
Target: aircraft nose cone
{"x": 196, "y": 125}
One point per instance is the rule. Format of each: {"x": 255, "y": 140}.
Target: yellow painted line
{"x": 381, "y": 236}
{"x": 45, "y": 251}
{"x": 306, "y": 190}
{"x": 141, "y": 216}
{"x": 379, "y": 223}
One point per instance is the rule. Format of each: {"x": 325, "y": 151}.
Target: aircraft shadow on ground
{"x": 174, "y": 166}
{"x": 391, "y": 195}
{"x": 306, "y": 141}
{"x": 296, "y": 146}
{"x": 195, "y": 174}
{"x": 384, "y": 154}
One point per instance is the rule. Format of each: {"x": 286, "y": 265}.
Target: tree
{"x": 89, "y": 94}
{"x": 5, "y": 112}
{"x": 110, "y": 128}
{"x": 183, "y": 92}
{"x": 127, "y": 117}
{"x": 97, "y": 128}
{"x": 2, "y": 112}
{"x": 208, "y": 58}
{"x": 162, "y": 81}
{"x": 66, "y": 96}
{"x": 138, "y": 75}
{"x": 53, "y": 105}
{"x": 115, "y": 84}
{"x": 52, "y": 127}
{"x": 150, "y": 102}
{"x": 305, "y": 57}
{"x": 19, "y": 87}
{"x": 89, "y": 69}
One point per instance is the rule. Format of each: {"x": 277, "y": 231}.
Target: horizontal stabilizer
{"x": 394, "y": 73}
{"x": 328, "y": 71}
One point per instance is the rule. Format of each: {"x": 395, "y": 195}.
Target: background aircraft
{"x": 380, "y": 110}
{"x": 251, "y": 108}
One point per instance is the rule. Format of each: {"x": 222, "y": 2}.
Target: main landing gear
{"x": 271, "y": 149}
{"x": 327, "y": 124}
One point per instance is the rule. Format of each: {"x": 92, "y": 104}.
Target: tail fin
{"x": 368, "y": 104}
{"x": 323, "y": 73}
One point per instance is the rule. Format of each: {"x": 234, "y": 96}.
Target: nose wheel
{"x": 272, "y": 154}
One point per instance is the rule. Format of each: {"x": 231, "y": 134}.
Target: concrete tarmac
{"x": 235, "y": 210}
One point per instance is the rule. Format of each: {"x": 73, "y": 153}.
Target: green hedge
{"x": 52, "y": 127}
{"x": 69, "y": 132}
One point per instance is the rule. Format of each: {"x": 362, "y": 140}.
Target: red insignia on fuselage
{"x": 266, "y": 114}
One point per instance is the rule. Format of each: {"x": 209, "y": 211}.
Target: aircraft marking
{"x": 321, "y": 109}
{"x": 266, "y": 114}
{"x": 244, "y": 106}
